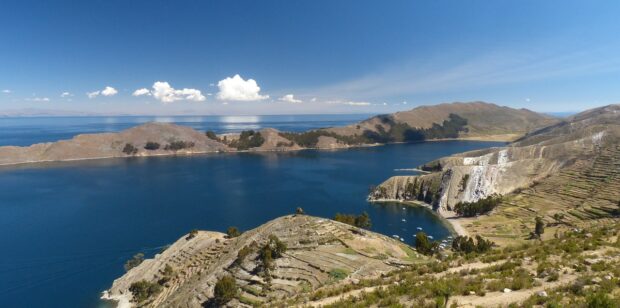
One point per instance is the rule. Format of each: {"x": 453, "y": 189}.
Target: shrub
{"x": 601, "y": 300}
{"x": 424, "y": 245}
{"x": 467, "y": 245}
{"x": 142, "y": 290}
{"x": 233, "y": 232}
{"x": 211, "y": 135}
{"x": 151, "y": 146}
{"x": 360, "y": 221}
{"x": 179, "y": 145}
{"x": 299, "y": 211}
{"x": 539, "y": 228}
{"x": 338, "y": 273}
{"x": 134, "y": 261}
{"x": 242, "y": 254}
{"x": 192, "y": 234}
{"x": 129, "y": 149}
{"x": 225, "y": 290}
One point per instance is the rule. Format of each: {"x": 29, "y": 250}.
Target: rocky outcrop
{"x": 316, "y": 249}
{"x": 474, "y": 175}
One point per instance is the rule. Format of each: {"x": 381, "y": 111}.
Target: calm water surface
{"x": 67, "y": 228}
{"x": 26, "y": 131}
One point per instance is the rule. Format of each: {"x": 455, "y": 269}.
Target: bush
{"x": 151, "y": 146}
{"x": 338, "y": 273}
{"x": 134, "y": 261}
{"x": 192, "y": 234}
{"x": 423, "y": 245}
{"x": 211, "y": 135}
{"x": 242, "y": 254}
{"x": 601, "y": 300}
{"x": 467, "y": 245}
{"x": 225, "y": 290}
{"x": 179, "y": 145}
{"x": 129, "y": 149}
{"x": 471, "y": 209}
{"x": 360, "y": 221}
{"x": 233, "y": 232}
{"x": 248, "y": 139}
{"x": 539, "y": 228}
{"x": 143, "y": 290}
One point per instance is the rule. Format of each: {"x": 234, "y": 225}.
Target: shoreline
{"x": 34, "y": 162}
{"x": 450, "y": 221}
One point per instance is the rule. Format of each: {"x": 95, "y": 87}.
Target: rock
{"x": 542, "y": 294}
{"x": 607, "y": 277}
{"x": 589, "y": 235}
{"x": 596, "y": 280}
{"x": 506, "y": 290}
{"x": 472, "y": 293}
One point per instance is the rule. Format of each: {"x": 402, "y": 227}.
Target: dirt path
{"x": 496, "y": 299}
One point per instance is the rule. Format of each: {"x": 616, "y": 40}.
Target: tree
{"x": 142, "y": 290}
{"x": 211, "y": 135}
{"x": 233, "y": 232}
{"x": 540, "y": 226}
{"x": 360, "y": 221}
{"x": 129, "y": 149}
{"x": 424, "y": 245}
{"x": 225, "y": 290}
{"x": 363, "y": 221}
{"x": 151, "y": 146}
{"x": 134, "y": 261}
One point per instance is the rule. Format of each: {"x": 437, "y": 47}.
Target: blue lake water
{"x": 67, "y": 228}
{"x": 27, "y": 131}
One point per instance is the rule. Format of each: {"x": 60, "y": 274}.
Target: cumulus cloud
{"x": 236, "y": 89}
{"x": 140, "y": 92}
{"x": 290, "y": 98}
{"x": 107, "y": 91}
{"x": 65, "y": 94}
{"x": 163, "y": 92}
{"x": 6, "y": 91}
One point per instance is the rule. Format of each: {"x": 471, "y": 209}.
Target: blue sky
{"x": 183, "y": 57}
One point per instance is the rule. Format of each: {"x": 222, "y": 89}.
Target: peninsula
{"x": 472, "y": 121}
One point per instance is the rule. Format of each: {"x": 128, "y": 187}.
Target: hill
{"x": 319, "y": 252}
{"x": 474, "y": 120}
{"x": 567, "y": 173}
{"x": 457, "y": 120}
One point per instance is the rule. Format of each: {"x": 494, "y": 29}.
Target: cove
{"x": 67, "y": 228}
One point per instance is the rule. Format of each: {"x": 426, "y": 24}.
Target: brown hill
{"x": 483, "y": 121}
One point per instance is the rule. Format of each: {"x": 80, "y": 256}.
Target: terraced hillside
{"x": 319, "y": 252}
{"x": 566, "y": 173}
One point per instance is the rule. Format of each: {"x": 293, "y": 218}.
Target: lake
{"x": 68, "y": 228}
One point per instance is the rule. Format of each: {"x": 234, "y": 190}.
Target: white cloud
{"x": 163, "y": 92}
{"x": 349, "y": 103}
{"x": 290, "y": 98}
{"x": 236, "y": 89}
{"x": 39, "y": 99}
{"x": 357, "y": 103}
{"x": 6, "y": 91}
{"x": 66, "y": 94}
{"x": 140, "y": 92}
{"x": 313, "y": 99}
{"x": 107, "y": 91}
